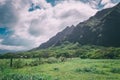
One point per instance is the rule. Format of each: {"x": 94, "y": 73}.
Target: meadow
{"x": 54, "y": 69}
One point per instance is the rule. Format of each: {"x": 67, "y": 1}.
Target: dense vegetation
{"x": 70, "y": 50}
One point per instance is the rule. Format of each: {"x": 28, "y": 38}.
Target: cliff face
{"x": 101, "y": 29}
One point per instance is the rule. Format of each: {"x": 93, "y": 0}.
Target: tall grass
{"x": 25, "y": 77}
{"x": 72, "y": 69}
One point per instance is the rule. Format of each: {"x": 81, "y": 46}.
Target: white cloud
{"x": 2, "y": 2}
{"x": 107, "y": 3}
{"x": 53, "y": 19}
{"x": 42, "y": 3}
{"x": 1, "y": 40}
{"x": 12, "y": 48}
{"x": 39, "y": 25}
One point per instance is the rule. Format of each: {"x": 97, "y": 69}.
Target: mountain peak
{"x": 102, "y": 29}
{"x": 118, "y": 4}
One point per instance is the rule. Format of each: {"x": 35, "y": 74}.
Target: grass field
{"x": 72, "y": 69}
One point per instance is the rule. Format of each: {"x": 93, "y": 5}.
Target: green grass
{"x": 72, "y": 69}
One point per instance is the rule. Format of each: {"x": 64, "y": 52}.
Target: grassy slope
{"x": 75, "y": 69}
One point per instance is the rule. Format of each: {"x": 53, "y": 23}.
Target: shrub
{"x": 106, "y": 53}
{"x": 90, "y": 70}
{"x": 56, "y": 69}
{"x": 115, "y": 70}
{"x": 63, "y": 59}
{"x": 63, "y": 54}
{"x": 105, "y": 66}
{"x": 52, "y": 60}
{"x": 18, "y": 64}
{"x": 2, "y": 66}
{"x": 35, "y": 62}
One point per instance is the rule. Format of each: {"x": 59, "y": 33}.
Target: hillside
{"x": 101, "y": 29}
{"x": 58, "y": 38}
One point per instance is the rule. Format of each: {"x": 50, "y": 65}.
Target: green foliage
{"x": 89, "y": 70}
{"x": 56, "y": 69}
{"x": 2, "y": 65}
{"x": 18, "y": 63}
{"x": 63, "y": 54}
{"x": 24, "y": 77}
{"x": 63, "y": 59}
{"x": 35, "y": 62}
{"x": 107, "y": 53}
{"x": 52, "y": 60}
{"x": 72, "y": 69}
{"x": 70, "y": 50}
{"x": 85, "y": 69}
{"x": 115, "y": 70}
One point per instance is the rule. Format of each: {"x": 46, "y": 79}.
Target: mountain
{"x": 100, "y": 4}
{"x": 101, "y": 29}
{"x": 58, "y": 38}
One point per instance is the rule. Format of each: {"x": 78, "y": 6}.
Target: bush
{"x": 107, "y": 53}
{"x": 63, "y": 54}
{"x": 115, "y": 70}
{"x": 63, "y": 59}
{"x": 90, "y": 70}
{"x": 18, "y": 64}
{"x": 56, "y": 69}
{"x": 36, "y": 62}
{"x": 52, "y": 60}
{"x": 2, "y": 66}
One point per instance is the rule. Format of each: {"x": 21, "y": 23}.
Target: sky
{"x": 25, "y": 24}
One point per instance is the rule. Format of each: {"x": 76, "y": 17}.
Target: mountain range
{"x": 101, "y": 29}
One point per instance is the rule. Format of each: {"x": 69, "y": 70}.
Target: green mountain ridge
{"x": 101, "y": 29}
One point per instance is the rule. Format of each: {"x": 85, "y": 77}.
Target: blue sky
{"x": 25, "y": 24}
{"x": 51, "y": 1}
{"x": 3, "y": 31}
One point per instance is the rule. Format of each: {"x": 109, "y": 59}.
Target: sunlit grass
{"x": 72, "y": 69}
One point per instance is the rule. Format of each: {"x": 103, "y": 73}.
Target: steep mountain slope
{"x": 58, "y": 38}
{"x": 102, "y": 29}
